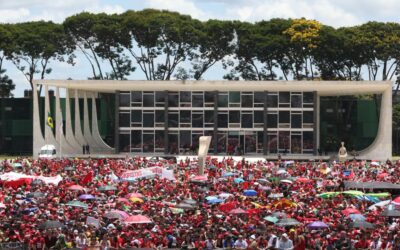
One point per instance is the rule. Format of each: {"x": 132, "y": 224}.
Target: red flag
{"x": 88, "y": 178}
{"x": 245, "y": 185}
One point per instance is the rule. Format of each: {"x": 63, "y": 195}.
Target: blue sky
{"x": 331, "y": 12}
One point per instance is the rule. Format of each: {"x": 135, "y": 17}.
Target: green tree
{"x": 6, "y": 84}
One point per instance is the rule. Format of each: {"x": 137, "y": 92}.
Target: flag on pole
{"x": 50, "y": 120}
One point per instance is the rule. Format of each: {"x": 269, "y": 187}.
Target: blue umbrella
{"x": 228, "y": 174}
{"x": 355, "y": 217}
{"x": 238, "y": 180}
{"x": 86, "y": 197}
{"x": 208, "y": 198}
{"x": 215, "y": 201}
{"x": 250, "y": 192}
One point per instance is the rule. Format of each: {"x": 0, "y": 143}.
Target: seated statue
{"x": 342, "y": 153}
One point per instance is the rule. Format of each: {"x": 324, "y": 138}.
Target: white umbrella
{"x": 379, "y": 204}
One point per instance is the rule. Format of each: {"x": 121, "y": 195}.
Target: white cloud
{"x": 14, "y": 15}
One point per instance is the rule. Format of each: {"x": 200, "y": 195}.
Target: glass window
{"x": 234, "y": 116}
{"x": 136, "y": 116}
{"x": 284, "y": 97}
{"x": 185, "y": 96}
{"x": 185, "y": 116}
{"x": 124, "y": 100}
{"x": 258, "y": 117}
{"x": 197, "y": 101}
{"x": 296, "y": 144}
{"x": 159, "y": 139}
{"x": 208, "y": 96}
{"x": 184, "y": 139}
{"x": 209, "y": 116}
{"x": 197, "y": 120}
{"x": 308, "y": 117}
{"x": 259, "y": 97}
{"x": 148, "y": 120}
{"x": 160, "y": 96}
{"x": 284, "y": 117}
{"x": 195, "y": 142}
{"x": 284, "y": 141}
{"x": 160, "y": 116}
{"x": 221, "y": 137}
{"x": 296, "y": 121}
{"x": 173, "y": 120}
{"x": 247, "y": 101}
{"x": 223, "y": 120}
{"x": 247, "y": 120}
{"x": 136, "y": 139}
{"x": 136, "y": 96}
{"x": 148, "y": 100}
{"x": 234, "y": 97}
{"x": 124, "y": 143}
{"x": 124, "y": 120}
{"x": 272, "y": 144}
{"x": 296, "y": 101}
{"x": 308, "y": 97}
{"x": 272, "y": 101}
{"x": 173, "y": 146}
{"x": 222, "y": 100}
{"x": 250, "y": 142}
{"x": 272, "y": 120}
{"x": 148, "y": 143}
{"x": 308, "y": 140}
{"x": 173, "y": 100}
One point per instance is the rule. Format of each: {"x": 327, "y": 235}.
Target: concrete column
{"x": 38, "y": 140}
{"x": 78, "y": 129}
{"x": 95, "y": 128}
{"x": 69, "y": 133}
{"x": 64, "y": 148}
{"x": 86, "y": 126}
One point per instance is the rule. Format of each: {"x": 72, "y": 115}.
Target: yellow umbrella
{"x": 257, "y": 205}
{"x": 136, "y": 200}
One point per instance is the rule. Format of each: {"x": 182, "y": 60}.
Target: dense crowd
{"x": 236, "y": 204}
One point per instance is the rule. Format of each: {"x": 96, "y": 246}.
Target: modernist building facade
{"x": 242, "y": 117}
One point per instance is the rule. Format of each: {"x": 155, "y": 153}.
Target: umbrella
{"x": 116, "y": 214}
{"x": 199, "y": 178}
{"x": 86, "y": 197}
{"x": 317, "y": 225}
{"x": 51, "y": 224}
{"x": 287, "y": 222}
{"x": 271, "y": 219}
{"x": 177, "y": 210}
{"x": 208, "y": 198}
{"x": 238, "y": 180}
{"x": 396, "y": 200}
{"x": 281, "y": 171}
{"x": 284, "y": 203}
{"x": 262, "y": 180}
{"x": 276, "y": 195}
{"x": 137, "y": 219}
{"x": 215, "y": 201}
{"x": 228, "y": 174}
{"x": 136, "y": 200}
{"x": 69, "y": 168}
{"x": 265, "y": 188}
{"x": 250, "y": 192}
{"x": 107, "y": 188}
{"x": 374, "y": 163}
{"x": 390, "y": 213}
{"x": 350, "y": 210}
{"x": 136, "y": 195}
{"x": 379, "y": 204}
{"x": 17, "y": 165}
{"x": 36, "y": 182}
{"x": 190, "y": 201}
{"x": 185, "y": 206}
{"x": 224, "y": 195}
{"x": 279, "y": 215}
{"x": 287, "y": 181}
{"x": 121, "y": 199}
{"x": 77, "y": 204}
{"x": 2, "y": 205}
{"x": 237, "y": 211}
{"x": 35, "y": 195}
{"x": 361, "y": 224}
{"x": 76, "y": 188}
{"x": 355, "y": 217}
{"x": 302, "y": 179}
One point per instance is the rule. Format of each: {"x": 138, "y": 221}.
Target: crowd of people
{"x": 236, "y": 205}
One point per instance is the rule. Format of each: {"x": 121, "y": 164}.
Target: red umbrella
{"x": 350, "y": 210}
{"x": 382, "y": 176}
{"x": 199, "y": 178}
{"x": 396, "y": 200}
{"x": 134, "y": 195}
{"x": 76, "y": 188}
{"x": 302, "y": 180}
{"x": 237, "y": 211}
{"x": 137, "y": 219}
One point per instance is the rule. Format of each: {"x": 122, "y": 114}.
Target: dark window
{"x": 197, "y": 120}
{"x": 296, "y": 144}
{"x": 185, "y": 116}
{"x": 308, "y": 140}
{"x": 284, "y": 117}
{"x": 284, "y": 141}
{"x": 185, "y": 96}
{"x": 136, "y": 116}
{"x": 234, "y": 116}
{"x": 197, "y": 101}
{"x": 272, "y": 144}
{"x": 148, "y": 100}
{"x": 136, "y": 96}
{"x": 234, "y": 97}
{"x": 296, "y": 101}
{"x": 173, "y": 100}
{"x": 259, "y": 97}
{"x": 124, "y": 143}
{"x": 209, "y": 96}
{"x": 173, "y": 147}
{"x": 222, "y": 120}
{"x": 160, "y": 96}
{"x": 272, "y": 101}
{"x": 272, "y": 120}
{"x": 247, "y": 101}
{"x": 209, "y": 116}
{"x": 173, "y": 120}
{"x": 148, "y": 143}
{"x": 160, "y": 116}
{"x": 222, "y": 100}
{"x": 247, "y": 120}
{"x": 308, "y": 97}
{"x": 148, "y": 120}
{"x": 296, "y": 121}
{"x": 124, "y": 120}
{"x": 185, "y": 139}
{"x": 308, "y": 117}
{"x": 124, "y": 100}
{"x": 284, "y": 97}
{"x": 159, "y": 139}
{"x": 258, "y": 117}
{"x": 136, "y": 139}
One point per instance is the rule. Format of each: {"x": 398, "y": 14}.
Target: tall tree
{"x": 159, "y": 41}
{"x": 6, "y": 84}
